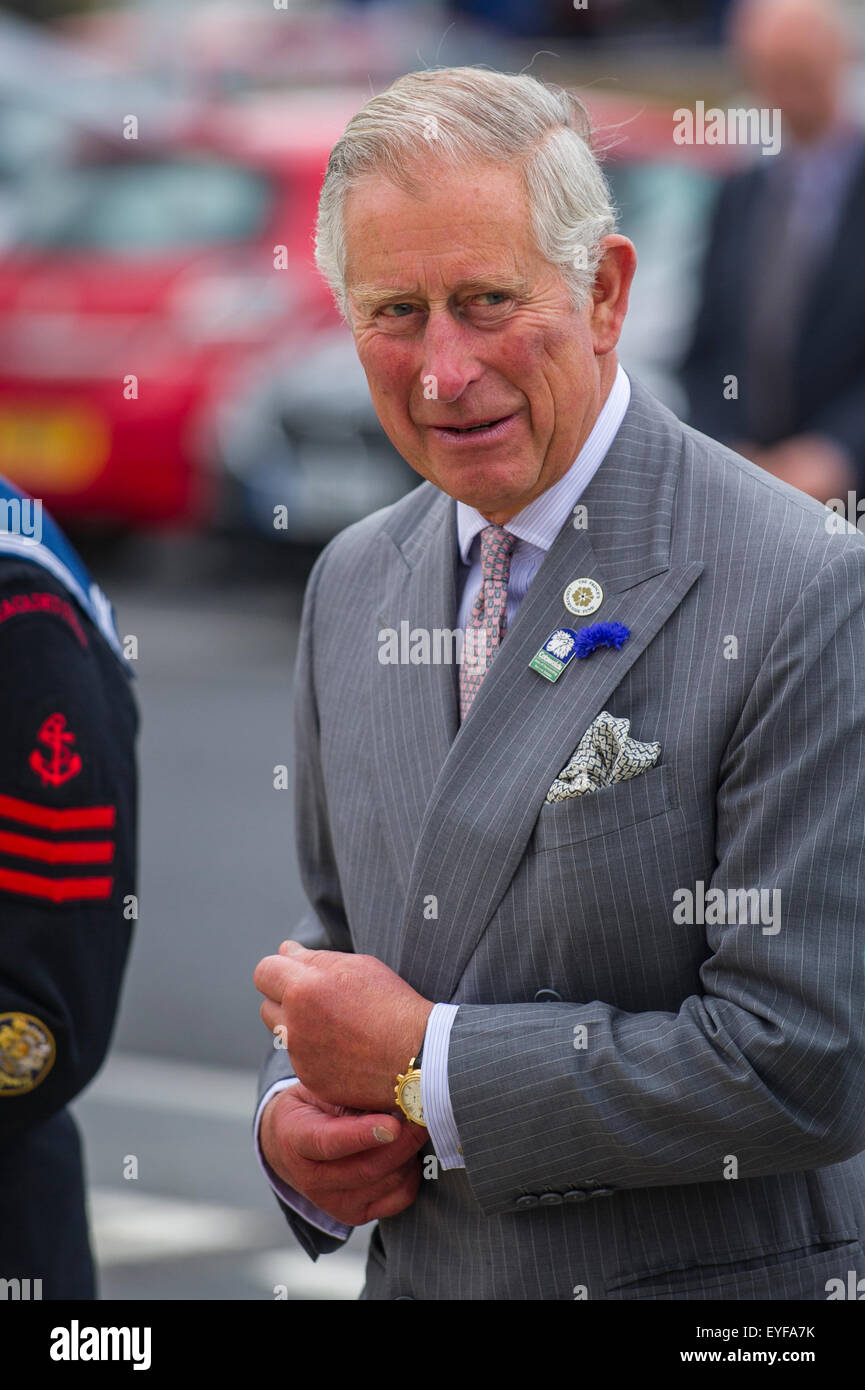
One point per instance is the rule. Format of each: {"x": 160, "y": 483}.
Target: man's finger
{"x": 271, "y": 1014}
{"x": 394, "y": 1202}
{"x": 386, "y": 1198}
{"x": 319, "y": 1137}
{"x": 271, "y": 974}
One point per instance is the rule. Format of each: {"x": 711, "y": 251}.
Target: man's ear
{"x": 610, "y": 291}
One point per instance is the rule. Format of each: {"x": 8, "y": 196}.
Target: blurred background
{"x": 164, "y": 386}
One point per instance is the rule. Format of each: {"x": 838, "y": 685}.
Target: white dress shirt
{"x": 535, "y": 527}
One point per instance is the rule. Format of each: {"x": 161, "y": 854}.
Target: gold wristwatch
{"x": 407, "y": 1092}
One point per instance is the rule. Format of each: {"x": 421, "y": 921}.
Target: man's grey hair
{"x": 466, "y": 117}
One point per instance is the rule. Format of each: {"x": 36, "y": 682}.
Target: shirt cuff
{"x": 298, "y": 1203}
{"x": 434, "y": 1091}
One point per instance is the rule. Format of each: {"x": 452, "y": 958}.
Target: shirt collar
{"x": 541, "y": 521}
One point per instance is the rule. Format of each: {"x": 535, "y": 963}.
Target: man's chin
{"x": 481, "y": 484}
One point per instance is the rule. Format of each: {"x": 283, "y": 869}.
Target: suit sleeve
{"x": 68, "y": 724}
{"x": 325, "y": 926}
{"x": 767, "y": 1063}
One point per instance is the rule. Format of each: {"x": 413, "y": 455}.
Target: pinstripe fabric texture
{"x": 686, "y": 1119}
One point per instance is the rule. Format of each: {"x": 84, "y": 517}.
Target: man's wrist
{"x": 412, "y": 1054}
{"x": 414, "y": 1034}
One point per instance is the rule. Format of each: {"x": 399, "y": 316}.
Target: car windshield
{"x": 149, "y": 206}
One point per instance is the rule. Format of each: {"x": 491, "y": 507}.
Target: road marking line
{"x": 189, "y": 1088}
{"x": 135, "y": 1227}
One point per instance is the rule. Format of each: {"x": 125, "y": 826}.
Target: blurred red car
{"x": 135, "y": 284}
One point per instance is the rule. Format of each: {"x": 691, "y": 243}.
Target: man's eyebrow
{"x": 366, "y": 295}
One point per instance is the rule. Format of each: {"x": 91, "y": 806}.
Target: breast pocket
{"x": 605, "y": 812}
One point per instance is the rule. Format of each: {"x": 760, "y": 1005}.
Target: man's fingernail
{"x": 383, "y": 1135}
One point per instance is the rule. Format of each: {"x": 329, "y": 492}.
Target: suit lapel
{"x": 477, "y": 798}
{"x": 414, "y": 706}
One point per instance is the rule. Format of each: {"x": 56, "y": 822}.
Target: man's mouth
{"x": 469, "y": 429}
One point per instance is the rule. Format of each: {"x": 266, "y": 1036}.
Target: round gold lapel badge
{"x": 583, "y": 596}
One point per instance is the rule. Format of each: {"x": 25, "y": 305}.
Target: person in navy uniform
{"x": 68, "y": 809}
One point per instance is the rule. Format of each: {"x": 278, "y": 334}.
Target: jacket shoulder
{"x": 751, "y": 506}
{"x": 354, "y": 547}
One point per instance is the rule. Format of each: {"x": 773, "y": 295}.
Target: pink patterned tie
{"x": 489, "y": 616}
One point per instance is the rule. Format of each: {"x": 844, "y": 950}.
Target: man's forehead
{"x": 445, "y": 242}
{"x": 480, "y": 199}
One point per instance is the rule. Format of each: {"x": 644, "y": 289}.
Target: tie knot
{"x": 497, "y": 546}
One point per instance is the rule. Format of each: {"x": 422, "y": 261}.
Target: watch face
{"x": 410, "y": 1097}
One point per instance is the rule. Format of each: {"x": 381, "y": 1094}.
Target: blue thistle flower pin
{"x": 564, "y": 644}
{"x": 600, "y": 635}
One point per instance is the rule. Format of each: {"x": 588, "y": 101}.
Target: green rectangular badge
{"x": 555, "y": 654}
{"x": 546, "y": 665}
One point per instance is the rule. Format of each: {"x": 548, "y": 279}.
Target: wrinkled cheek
{"x": 525, "y": 351}
{"x": 525, "y": 362}
{"x": 389, "y": 371}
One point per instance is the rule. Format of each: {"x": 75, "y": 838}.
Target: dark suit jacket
{"x": 829, "y": 371}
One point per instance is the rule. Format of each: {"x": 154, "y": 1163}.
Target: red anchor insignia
{"x": 61, "y": 763}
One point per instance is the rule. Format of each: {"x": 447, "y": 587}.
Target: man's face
{"x": 794, "y": 59}
{"x": 459, "y": 320}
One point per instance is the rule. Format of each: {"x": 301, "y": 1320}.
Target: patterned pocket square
{"x": 604, "y": 755}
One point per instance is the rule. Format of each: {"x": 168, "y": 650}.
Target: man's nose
{"x": 450, "y": 360}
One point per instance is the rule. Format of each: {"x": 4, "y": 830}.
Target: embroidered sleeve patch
{"x": 56, "y": 761}
{"x": 27, "y": 1052}
{"x": 59, "y": 845}
{"x": 19, "y": 604}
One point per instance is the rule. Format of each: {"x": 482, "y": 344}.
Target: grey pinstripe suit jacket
{"x": 607, "y": 1168}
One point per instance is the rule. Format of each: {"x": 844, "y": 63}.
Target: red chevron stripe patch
{"x": 57, "y": 852}
{"x": 74, "y": 818}
{"x": 56, "y": 890}
{"x": 49, "y": 849}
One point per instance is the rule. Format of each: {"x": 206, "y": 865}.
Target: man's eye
{"x": 396, "y": 306}
{"x": 491, "y": 294}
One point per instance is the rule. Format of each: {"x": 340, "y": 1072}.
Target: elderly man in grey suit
{"x": 577, "y": 1008}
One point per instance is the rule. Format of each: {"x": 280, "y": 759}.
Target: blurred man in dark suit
{"x": 776, "y": 366}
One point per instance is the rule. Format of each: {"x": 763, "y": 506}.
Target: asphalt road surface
{"x": 180, "y": 1208}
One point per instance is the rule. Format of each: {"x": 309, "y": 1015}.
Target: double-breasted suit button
{"x": 551, "y": 1199}
{"x": 577, "y": 1194}
{"x": 527, "y": 1200}
{"x": 547, "y": 996}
